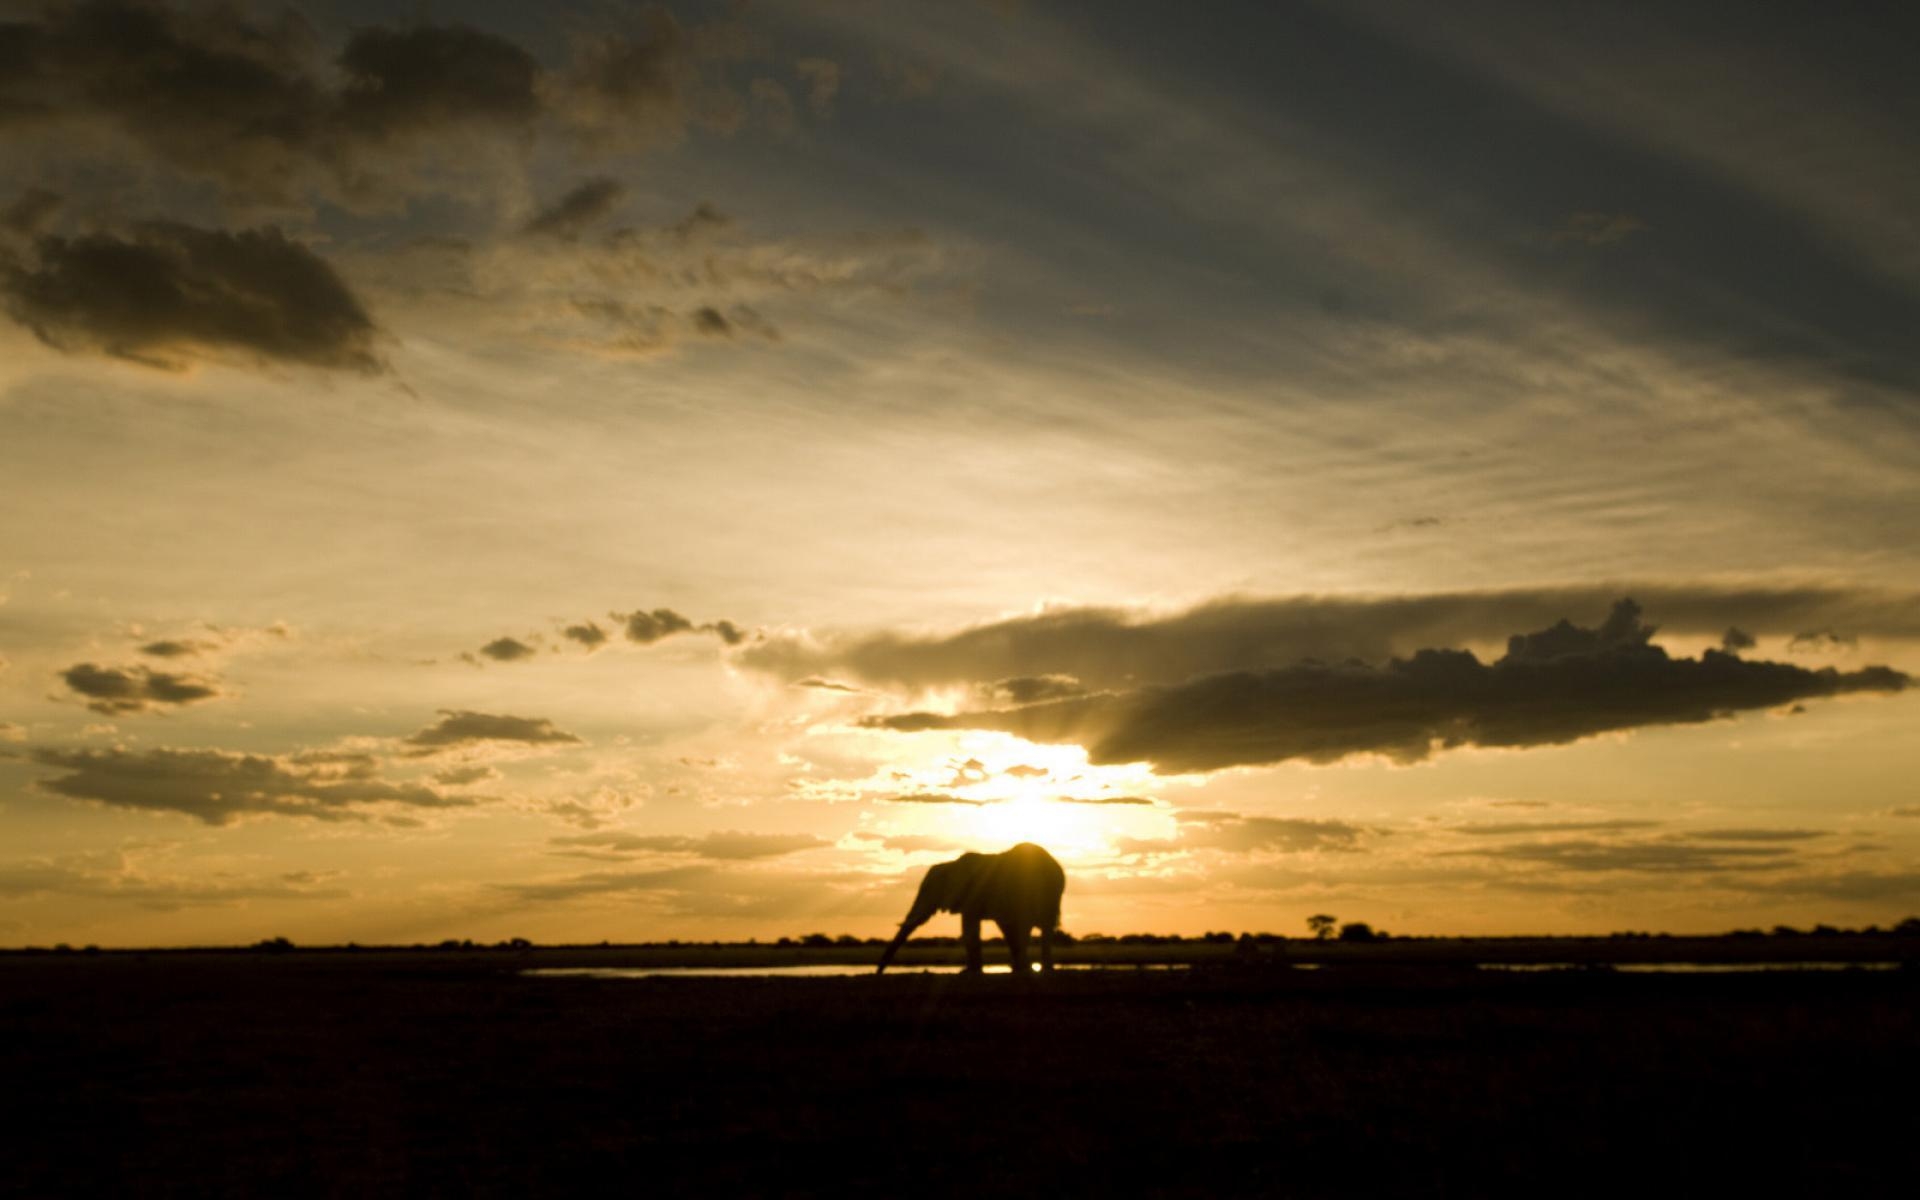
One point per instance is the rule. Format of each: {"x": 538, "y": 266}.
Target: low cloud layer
{"x": 1234, "y": 833}
{"x": 217, "y": 787}
{"x": 170, "y": 295}
{"x": 124, "y": 691}
{"x": 1554, "y": 686}
{"x": 1100, "y": 648}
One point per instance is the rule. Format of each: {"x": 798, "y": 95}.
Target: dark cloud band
{"x": 1554, "y": 686}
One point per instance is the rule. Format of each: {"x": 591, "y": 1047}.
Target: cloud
{"x": 1112, "y": 647}
{"x": 1027, "y": 689}
{"x": 1663, "y": 857}
{"x": 1558, "y": 685}
{"x": 169, "y": 295}
{"x": 10, "y": 732}
{"x": 647, "y": 628}
{"x": 727, "y": 844}
{"x": 587, "y": 634}
{"x": 461, "y": 727}
{"x": 1024, "y": 771}
{"x": 931, "y": 798}
{"x": 1735, "y": 639}
{"x": 1234, "y": 833}
{"x": 506, "y": 649}
{"x": 427, "y": 79}
{"x": 1821, "y": 641}
{"x": 1597, "y": 228}
{"x": 908, "y": 843}
{"x": 1142, "y": 800}
{"x": 217, "y": 787}
{"x": 31, "y": 212}
{"x": 1520, "y": 828}
{"x": 462, "y": 776}
{"x": 253, "y": 104}
{"x": 118, "y": 880}
{"x": 579, "y": 208}
{"x": 121, "y": 691}
{"x": 827, "y": 685}
{"x": 172, "y": 648}
{"x": 254, "y": 101}
{"x": 822, "y": 77}
{"x": 1753, "y": 835}
{"x": 602, "y": 883}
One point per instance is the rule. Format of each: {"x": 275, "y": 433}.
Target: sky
{"x": 602, "y": 471}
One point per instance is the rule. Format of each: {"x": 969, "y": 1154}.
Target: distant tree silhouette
{"x": 277, "y": 945}
{"x": 1908, "y": 928}
{"x": 1358, "y": 931}
{"x": 1322, "y": 925}
{"x": 816, "y": 941}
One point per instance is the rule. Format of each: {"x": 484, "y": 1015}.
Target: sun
{"x": 1005, "y": 790}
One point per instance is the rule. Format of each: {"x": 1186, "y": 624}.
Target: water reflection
{"x": 815, "y": 970}
{"x": 831, "y": 970}
{"x": 1689, "y": 968}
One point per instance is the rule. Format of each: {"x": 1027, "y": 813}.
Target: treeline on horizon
{"x": 1352, "y": 933}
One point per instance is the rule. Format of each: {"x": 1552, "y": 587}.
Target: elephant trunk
{"x": 913, "y": 922}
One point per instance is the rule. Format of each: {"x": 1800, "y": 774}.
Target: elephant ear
{"x": 937, "y": 889}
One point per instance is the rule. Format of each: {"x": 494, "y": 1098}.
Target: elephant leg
{"x": 1046, "y": 947}
{"x": 970, "y": 937}
{"x": 1016, "y": 945}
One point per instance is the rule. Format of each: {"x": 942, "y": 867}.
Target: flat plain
{"x": 441, "y": 1073}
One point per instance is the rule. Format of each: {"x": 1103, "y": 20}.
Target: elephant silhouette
{"x": 1017, "y": 890}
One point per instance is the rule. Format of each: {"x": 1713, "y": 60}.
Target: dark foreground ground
{"x": 450, "y": 1074}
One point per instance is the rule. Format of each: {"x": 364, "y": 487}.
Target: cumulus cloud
{"x": 729, "y": 844}
{"x": 462, "y": 727}
{"x": 507, "y": 649}
{"x": 645, "y": 627}
{"x": 123, "y": 691}
{"x": 587, "y": 634}
{"x": 170, "y": 295}
{"x": 1112, "y": 647}
{"x": 579, "y": 208}
{"x": 1554, "y": 686}
{"x": 217, "y": 787}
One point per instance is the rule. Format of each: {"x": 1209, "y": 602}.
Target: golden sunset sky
{"x": 600, "y": 471}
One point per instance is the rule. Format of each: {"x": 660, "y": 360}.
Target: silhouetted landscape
{"x": 1388, "y": 1068}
